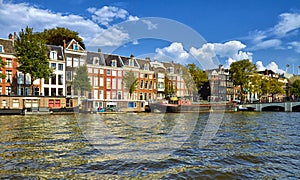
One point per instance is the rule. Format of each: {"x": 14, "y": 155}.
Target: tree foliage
{"x": 199, "y": 77}
{"x": 31, "y": 53}
{"x": 295, "y": 88}
{"x": 56, "y": 36}
{"x": 271, "y": 86}
{"x": 169, "y": 88}
{"x": 81, "y": 80}
{"x": 240, "y": 72}
{"x": 130, "y": 82}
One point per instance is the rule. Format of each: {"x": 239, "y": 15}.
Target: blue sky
{"x": 216, "y": 31}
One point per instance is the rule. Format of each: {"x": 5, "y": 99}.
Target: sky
{"x": 207, "y": 33}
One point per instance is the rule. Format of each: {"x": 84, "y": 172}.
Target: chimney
{"x": 15, "y": 35}
{"x": 131, "y": 56}
{"x": 65, "y": 45}
{"x": 148, "y": 59}
{"x": 99, "y": 50}
{"x": 10, "y": 36}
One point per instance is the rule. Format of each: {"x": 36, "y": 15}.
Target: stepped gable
{"x": 8, "y": 47}
{"x": 58, "y": 49}
{"x": 95, "y": 58}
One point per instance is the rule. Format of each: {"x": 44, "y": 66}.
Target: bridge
{"x": 276, "y": 106}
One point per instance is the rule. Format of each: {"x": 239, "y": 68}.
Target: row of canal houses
{"x": 106, "y": 73}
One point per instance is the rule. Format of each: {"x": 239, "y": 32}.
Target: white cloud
{"x": 107, "y": 14}
{"x": 288, "y": 22}
{"x": 14, "y": 17}
{"x": 295, "y": 45}
{"x": 135, "y": 42}
{"x": 175, "y": 51}
{"x": 272, "y": 43}
{"x": 133, "y": 18}
{"x": 113, "y": 36}
{"x": 232, "y": 50}
{"x": 272, "y": 66}
{"x": 149, "y": 24}
{"x": 288, "y": 25}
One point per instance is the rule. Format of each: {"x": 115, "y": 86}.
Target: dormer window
{"x": 95, "y": 60}
{"x": 53, "y": 55}
{"x": 146, "y": 67}
{"x": 1, "y": 49}
{"x": 114, "y": 63}
{"x": 131, "y": 62}
{"x": 170, "y": 70}
{"x": 75, "y": 47}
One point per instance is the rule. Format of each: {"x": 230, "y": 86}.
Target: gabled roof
{"x": 8, "y": 47}
{"x": 95, "y": 58}
{"x": 71, "y": 43}
{"x": 144, "y": 62}
{"x": 126, "y": 61}
{"x": 58, "y": 49}
{"x": 110, "y": 57}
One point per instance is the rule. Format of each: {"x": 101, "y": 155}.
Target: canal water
{"x": 242, "y": 145}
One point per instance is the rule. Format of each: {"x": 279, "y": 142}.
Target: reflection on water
{"x": 247, "y": 146}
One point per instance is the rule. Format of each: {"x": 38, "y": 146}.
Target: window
{"x": 53, "y": 80}
{"x": 69, "y": 75}
{"x": 108, "y": 71}
{"x": 75, "y": 62}
{"x": 69, "y": 61}
{"x": 69, "y": 90}
{"x": 53, "y": 65}
{"x": 119, "y": 95}
{"x": 51, "y": 103}
{"x": 60, "y": 91}
{"x": 170, "y": 70}
{"x": 90, "y": 70}
{"x": 114, "y": 83}
{"x": 16, "y": 103}
{"x": 141, "y": 84}
{"x": 150, "y": 85}
{"x": 141, "y": 96}
{"x": 146, "y": 67}
{"x": 95, "y": 94}
{"x": 108, "y": 95}
{"x": 131, "y": 104}
{"x": 101, "y": 81}
{"x": 75, "y": 47}
{"x": 95, "y": 60}
{"x": 8, "y": 90}
{"x": 120, "y": 83}
{"x": 8, "y": 74}
{"x": 131, "y": 62}
{"x": 60, "y": 79}
{"x": 9, "y": 63}
{"x": 101, "y": 71}
{"x": 53, "y": 55}
{"x": 108, "y": 83}
{"x": 146, "y": 75}
{"x": 60, "y": 67}
{"x": 1, "y": 48}
{"x": 0, "y": 90}
{"x": 82, "y": 61}
{"x": 114, "y": 63}
{"x": 46, "y": 91}
{"x": 146, "y": 84}
{"x": 57, "y": 103}
{"x": 120, "y": 73}
{"x": 53, "y": 92}
{"x": 150, "y": 96}
{"x": 95, "y": 81}
{"x": 114, "y": 73}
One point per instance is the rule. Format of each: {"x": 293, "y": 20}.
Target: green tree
{"x": 169, "y": 88}
{"x": 271, "y": 86}
{"x": 130, "y": 82}
{"x": 32, "y": 58}
{"x": 199, "y": 77}
{"x": 295, "y": 88}
{"x": 2, "y": 64}
{"x": 56, "y": 36}
{"x": 81, "y": 82}
{"x": 240, "y": 72}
